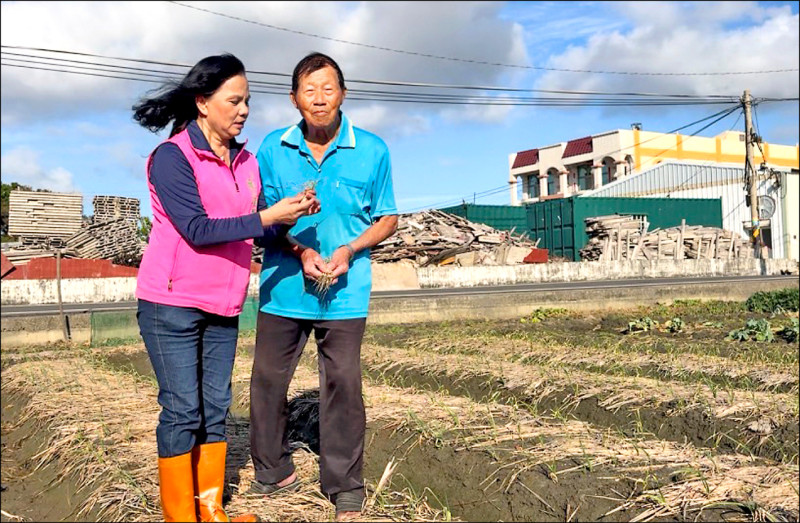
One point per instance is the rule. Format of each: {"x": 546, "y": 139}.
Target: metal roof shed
{"x": 672, "y": 179}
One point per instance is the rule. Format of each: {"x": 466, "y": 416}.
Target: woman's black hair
{"x": 176, "y": 100}
{"x": 313, "y": 62}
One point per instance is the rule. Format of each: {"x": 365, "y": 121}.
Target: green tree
{"x": 145, "y": 225}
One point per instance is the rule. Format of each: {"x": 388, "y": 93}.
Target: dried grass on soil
{"x": 613, "y": 392}
{"x": 103, "y": 424}
{"x": 538, "y": 441}
{"x": 613, "y": 359}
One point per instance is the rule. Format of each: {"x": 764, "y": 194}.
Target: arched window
{"x": 585, "y": 180}
{"x": 609, "y": 170}
{"x": 552, "y": 181}
{"x": 533, "y": 185}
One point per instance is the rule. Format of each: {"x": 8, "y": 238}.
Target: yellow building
{"x": 584, "y": 164}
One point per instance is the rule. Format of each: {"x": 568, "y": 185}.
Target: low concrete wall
{"x": 403, "y": 276}
{"x": 398, "y": 276}
{"x": 425, "y": 308}
{"x": 449, "y": 277}
{"x": 37, "y": 330}
{"x": 385, "y": 277}
{"x": 73, "y": 290}
{"x": 79, "y": 290}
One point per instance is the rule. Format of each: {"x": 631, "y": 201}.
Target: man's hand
{"x": 340, "y": 262}
{"x": 313, "y": 264}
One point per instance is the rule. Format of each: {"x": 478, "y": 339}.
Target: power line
{"x": 462, "y": 199}
{"x": 699, "y": 170}
{"x": 496, "y": 190}
{"x": 77, "y": 72}
{"x": 91, "y": 68}
{"x": 373, "y": 82}
{"x": 727, "y": 113}
{"x": 103, "y": 70}
{"x": 465, "y": 60}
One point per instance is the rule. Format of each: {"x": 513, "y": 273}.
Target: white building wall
{"x": 791, "y": 214}
{"x": 607, "y": 144}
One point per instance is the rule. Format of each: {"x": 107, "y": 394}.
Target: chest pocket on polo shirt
{"x": 289, "y": 188}
{"x": 351, "y": 196}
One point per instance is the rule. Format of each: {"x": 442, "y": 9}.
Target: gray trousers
{"x": 342, "y": 419}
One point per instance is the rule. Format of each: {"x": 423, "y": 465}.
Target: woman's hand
{"x": 312, "y": 195}
{"x": 289, "y": 210}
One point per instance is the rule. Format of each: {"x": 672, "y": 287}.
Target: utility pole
{"x": 750, "y": 173}
{"x": 61, "y": 316}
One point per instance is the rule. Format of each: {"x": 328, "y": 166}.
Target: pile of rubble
{"x": 624, "y": 237}
{"x": 438, "y": 238}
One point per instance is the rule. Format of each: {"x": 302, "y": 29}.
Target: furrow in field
{"x": 761, "y": 423}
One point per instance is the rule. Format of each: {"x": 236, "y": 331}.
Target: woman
{"x": 207, "y": 207}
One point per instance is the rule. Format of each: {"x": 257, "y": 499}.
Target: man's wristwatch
{"x": 349, "y": 248}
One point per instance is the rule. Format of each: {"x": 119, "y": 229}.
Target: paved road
{"x": 34, "y": 310}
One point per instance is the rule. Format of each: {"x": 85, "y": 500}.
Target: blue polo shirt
{"x": 354, "y": 187}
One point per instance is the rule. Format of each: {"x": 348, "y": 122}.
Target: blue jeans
{"x": 192, "y": 353}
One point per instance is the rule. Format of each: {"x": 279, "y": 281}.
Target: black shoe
{"x": 268, "y": 489}
{"x": 349, "y": 501}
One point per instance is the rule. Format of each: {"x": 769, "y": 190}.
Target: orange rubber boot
{"x": 208, "y": 463}
{"x": 176, "y": 484}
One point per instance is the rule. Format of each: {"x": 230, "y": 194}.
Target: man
{"x": 321, "y": 280}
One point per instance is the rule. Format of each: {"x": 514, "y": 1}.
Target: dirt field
{"x": 652, "y": 414}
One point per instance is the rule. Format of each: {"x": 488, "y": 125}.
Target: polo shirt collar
{"x": 345, "y": 139}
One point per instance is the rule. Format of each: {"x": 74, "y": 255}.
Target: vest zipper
{"x": 234, "y": 179}
{"x": 233, "y": 175}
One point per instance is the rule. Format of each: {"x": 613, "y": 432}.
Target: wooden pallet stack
{"x": 624, "y": 237}
{"x": 433, "y": 237}
{"x": 105, "y": 240}
{"x": 21, "y": 255}
{"x": 111, "y": 207}
{"x": 42, "y": 218}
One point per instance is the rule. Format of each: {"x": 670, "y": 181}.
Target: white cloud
{"x": 271, "y": 112}
{"x": 383, "y": 119}
{"x": 168, "y": 32}
{"x": 22, "y": 165}
{"x": 691, "y": 37}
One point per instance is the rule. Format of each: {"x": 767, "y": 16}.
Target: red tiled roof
{"x": 524, "y": 158}
{"x": 579, "y": 146}
{"x": 45, "y": 269}
{"x": 6, "y": 265}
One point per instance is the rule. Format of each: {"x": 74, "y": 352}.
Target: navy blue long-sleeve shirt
{"x": 176, "y": 187}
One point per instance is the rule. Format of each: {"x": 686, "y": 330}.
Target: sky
{"x": 75, "y": 133}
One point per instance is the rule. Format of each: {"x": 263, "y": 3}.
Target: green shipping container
{"x": 502, "y": 217}
{"x": 560, "y": 226}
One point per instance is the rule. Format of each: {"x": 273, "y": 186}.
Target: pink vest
{"x": 212, "y": 278}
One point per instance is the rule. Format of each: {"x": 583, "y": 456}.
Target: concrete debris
{"x": 438, "y": 238}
